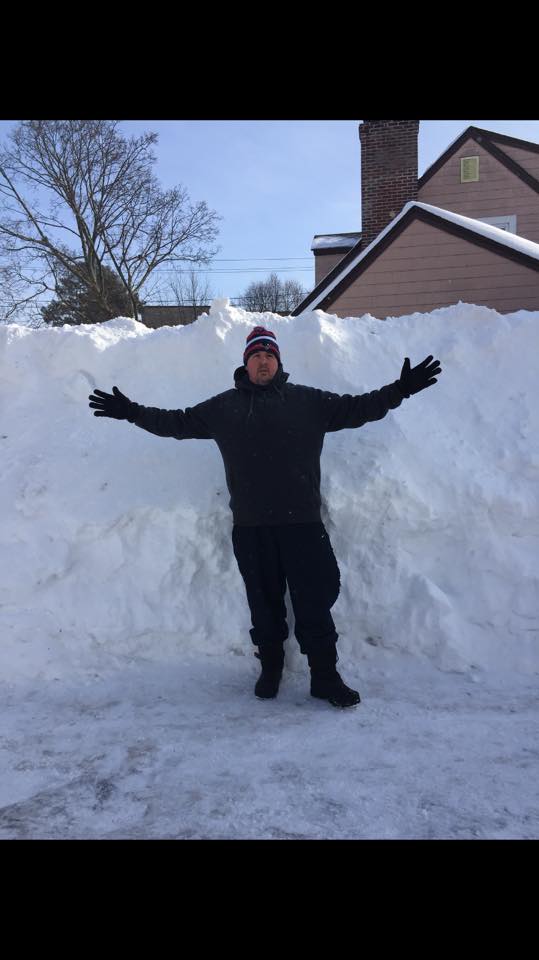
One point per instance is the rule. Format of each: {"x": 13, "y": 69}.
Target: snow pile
{"x": 116, "y": 544}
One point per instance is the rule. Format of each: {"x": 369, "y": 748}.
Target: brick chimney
{"x": 388, "y": 172}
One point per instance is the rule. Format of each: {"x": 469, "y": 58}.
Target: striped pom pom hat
{"x": 261, "y": 339}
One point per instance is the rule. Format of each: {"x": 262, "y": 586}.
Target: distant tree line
{"x": 273, "y": 294}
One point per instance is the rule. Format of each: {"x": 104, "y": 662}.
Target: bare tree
{"x": 18, "y": 294}
{"x": 272, "y": 294}
{"x": 191, "y": 289}
{"x": 292, "y": 293}
{"x": 78, "y": 194}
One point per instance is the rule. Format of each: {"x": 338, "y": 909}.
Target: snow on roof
{"x": 334, "y": 240}
{"x": 505, "y": 239}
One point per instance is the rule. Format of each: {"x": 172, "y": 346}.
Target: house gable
{"x": 491, "y": 245}
{"x": 427, "y": 268}
{"x": 504, "y": 188}
{"x": 492, "y": 143}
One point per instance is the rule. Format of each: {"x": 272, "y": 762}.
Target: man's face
{"x": 262, "y": 367}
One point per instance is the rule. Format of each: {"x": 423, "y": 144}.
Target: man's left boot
{"x": 327, "y": 683}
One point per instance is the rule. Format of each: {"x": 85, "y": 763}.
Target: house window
{"x": 469, "y": 169}
{"x": 508, "y": 223}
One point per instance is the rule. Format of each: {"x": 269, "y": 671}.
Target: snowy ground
{"x": 126, "y": 667}
{"x": 187, "y": 751}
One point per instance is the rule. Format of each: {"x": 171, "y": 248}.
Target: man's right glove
{"x": 414, "y": 379}
{"x": 114, "y": 405}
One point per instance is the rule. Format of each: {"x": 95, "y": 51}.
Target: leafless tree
{"x": 272, "y": 294}
{"x": 78, "y": 194}
{"x": 19, "y": 293}
{"x": 292, "y": 293}
{"x": 191, "y": 289}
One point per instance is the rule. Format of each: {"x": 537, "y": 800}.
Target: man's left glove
{"x": 414, "y": 379}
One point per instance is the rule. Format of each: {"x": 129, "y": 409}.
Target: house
{"x": 467, "y": 230}
{"x": 171, "y": 316}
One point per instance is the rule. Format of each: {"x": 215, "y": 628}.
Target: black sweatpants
{"x": 301, "y": 555}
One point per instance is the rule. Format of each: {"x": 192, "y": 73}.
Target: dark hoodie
{"x": 271, "y": 438}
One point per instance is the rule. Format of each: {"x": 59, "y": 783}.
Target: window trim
{"x": 510, "y": 219}
{"x": 469, "y": 179}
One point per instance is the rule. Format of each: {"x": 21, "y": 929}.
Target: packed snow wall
{"x": 115, "y": 544}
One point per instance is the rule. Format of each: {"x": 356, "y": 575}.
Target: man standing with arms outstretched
{"x": 270, "y": 434}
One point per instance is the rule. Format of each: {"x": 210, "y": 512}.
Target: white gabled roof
{"x": 502, "y": 237}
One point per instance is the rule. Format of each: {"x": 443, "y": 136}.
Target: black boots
{"x": 327, "y": 684}
{"x": 272, "y": 660}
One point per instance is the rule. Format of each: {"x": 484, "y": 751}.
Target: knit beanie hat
{"x": 261, "y": 339}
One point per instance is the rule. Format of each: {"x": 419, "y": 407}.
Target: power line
{"x": 162, "y": 303}
{"x": 254, "y": 259}
{"x": 236, "y": 270}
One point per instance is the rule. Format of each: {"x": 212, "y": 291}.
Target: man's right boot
{"x": 327, "y": 683}
{"x": 331, "y": 686}
{"x": 272, "y": 660}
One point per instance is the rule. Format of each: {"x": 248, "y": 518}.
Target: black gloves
{"x": 113, "y": 405}
{"x": 414, "y": 379}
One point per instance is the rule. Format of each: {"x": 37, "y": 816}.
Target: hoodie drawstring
{"x": 280, "y": 392}
{"x": 250, "y": 414}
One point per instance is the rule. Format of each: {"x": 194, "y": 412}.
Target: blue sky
{"x": 276, "y": 183}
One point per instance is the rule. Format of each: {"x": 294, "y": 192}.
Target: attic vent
{"x": 469, "y": 169}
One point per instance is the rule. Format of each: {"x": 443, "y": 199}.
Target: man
{"x": 270, "y": 434}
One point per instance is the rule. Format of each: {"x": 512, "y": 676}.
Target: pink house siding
{"x": 526, "y": 158}
{"x": 323, "y": 263}
{"x": 499, "y": 192}
{"x": 425, "y": 267}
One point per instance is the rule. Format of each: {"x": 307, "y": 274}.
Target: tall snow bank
{"x": 116, "y": 543}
